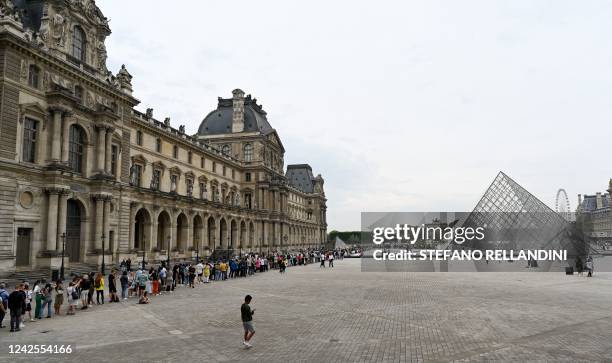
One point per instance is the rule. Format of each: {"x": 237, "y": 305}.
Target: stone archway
{"x": 75, "y": 219}
{"x": 142, "y": 233}
{"x": 163, "y": 230}
{"x": 223, "y": 234}
{"x": 197, "y": 232}
{"x": 182, "y": 230}
{"x": 211, "y": 233}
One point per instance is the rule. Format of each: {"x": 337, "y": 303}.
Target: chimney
{"x": 598, "y": 200}
{"x": 238, "y": 115}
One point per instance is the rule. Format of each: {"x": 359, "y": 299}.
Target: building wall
{"x": 41, "y": 198}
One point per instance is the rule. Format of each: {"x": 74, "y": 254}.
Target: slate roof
{"x": 31, "y": 12}
{"x": 219, "y": 121}
{"x": 589, "y": 203}
{"x": 300, "y": 176}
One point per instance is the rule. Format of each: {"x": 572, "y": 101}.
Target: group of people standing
{"x": 47, "y": 299}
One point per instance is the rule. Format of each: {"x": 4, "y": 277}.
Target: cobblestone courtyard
{"x": 342, "y": 314}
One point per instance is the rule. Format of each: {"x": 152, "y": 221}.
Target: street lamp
{"x": 168, "y": 252}
{"x": 63, "y": 253}
{"x": 144, "y": 255}
{"x": 103, "y": 249}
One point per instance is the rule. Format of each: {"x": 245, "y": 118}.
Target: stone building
{"x": 594, "y": 219}
{"x": 81, "y": 171}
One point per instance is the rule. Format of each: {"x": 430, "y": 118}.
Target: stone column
{"x": 217, "y": 235}
{"x": 109, "y": 145}
{"x": 56, "y": 137}
{"x": 65, "y": 140}
{"x": 61, "y": 222}
{"x": 133, "y": 211}
{"x": 100, "y": 152}
{"x": 189, "y": 233}
{"x": 99, "y": 201}
{"x": 52, "y": 219}
{"x": 107, "y": 211}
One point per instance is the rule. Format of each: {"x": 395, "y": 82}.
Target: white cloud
{"x": 401, "y": 105}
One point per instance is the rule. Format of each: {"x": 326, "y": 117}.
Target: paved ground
{"x": 344, "y": 315}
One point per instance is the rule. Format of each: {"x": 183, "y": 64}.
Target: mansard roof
{"x": 219, "y": 121}
{"x": 300, "y": 176}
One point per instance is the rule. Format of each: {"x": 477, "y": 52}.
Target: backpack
{"x": 74, "y": 294}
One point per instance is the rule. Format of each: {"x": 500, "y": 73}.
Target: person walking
{"x": 331, "y": 259}
{"x": 200, "y": 271}
{"x": 99, "y": 286}
{"x": 247, "y": 321}
{"x": 322, "y": 257}
{"x": 589, "y": 266}
{"x": 28, "y": 292}
{"x": 85, "y": 285}
{"x": 206, "y": 273}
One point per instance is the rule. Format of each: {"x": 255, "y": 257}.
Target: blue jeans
{"x": 48, "y": 303}
{"x": 124, "y": 292}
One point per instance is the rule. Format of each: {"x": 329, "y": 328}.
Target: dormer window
{"x": 78, "y": 43}
{"x": 33, "y": 76}
{"x": 226, "y": 150}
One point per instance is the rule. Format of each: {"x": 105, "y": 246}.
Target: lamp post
{"x": 168, "y": 252}
{"x": 63, "y": 253}
{"x": 144, "y": 255}
{"x": 103, "y": 248}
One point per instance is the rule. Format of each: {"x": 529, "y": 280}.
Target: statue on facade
{"x": 58, "y": 30}
{"x": 167, "y": 121}
{"x": 102, "y": 55}
{"x": 133, "y": 176}
{"x": 204, "y": 193}
{"x": 7, "y": 8}
{"x": 182, "y": 129}
{"x": 237, "y": 202}
{"x": 173, "y": 184}
{"x": 190, "y": 189}
{"x": 149, "y": 113}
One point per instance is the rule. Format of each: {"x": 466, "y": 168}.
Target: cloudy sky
{"x": 400, "y": 105}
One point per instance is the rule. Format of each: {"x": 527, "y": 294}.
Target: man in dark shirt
{"x": 16, "y": 302}
{"x": 247, "y": 321}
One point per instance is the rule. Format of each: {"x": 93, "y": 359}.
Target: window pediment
{"x": 175, "y": 171}
{"x": 139, "y": 159}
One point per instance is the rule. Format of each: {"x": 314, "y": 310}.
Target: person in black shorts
{"x": 247, "y": 321}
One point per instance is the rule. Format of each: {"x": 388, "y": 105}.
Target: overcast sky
{"x": 400, "y": 105}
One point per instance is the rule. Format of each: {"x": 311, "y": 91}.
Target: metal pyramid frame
{"x": 512, "y": 214}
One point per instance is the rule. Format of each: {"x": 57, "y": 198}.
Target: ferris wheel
{"x": 563, "y": 205}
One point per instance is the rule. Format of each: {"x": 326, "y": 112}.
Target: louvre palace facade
{"x": 83, "y": 173}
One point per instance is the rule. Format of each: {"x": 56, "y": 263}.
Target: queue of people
{"x": 47, "y": 299}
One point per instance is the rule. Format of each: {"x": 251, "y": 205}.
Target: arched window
{"x": 78, "y": 43}
{"x": 226, "y": 149}
{"x": 76, "y": 148}
{"x": 158, "y": 145}
{"x": 33, "y": 76}
{"x": 248, "y": 152}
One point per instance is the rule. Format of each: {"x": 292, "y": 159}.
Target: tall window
{"x": 175, "y": 152}
{"x": 158, "y": 145}
{"x": 78, "y": 43}
{"x": 76, "y": 147}
{"x": 247, "y": 177}
{"x": 248, "y": 152}
{"x": 214, "y": 167}
{"x": 114, "y": 155}
{"x": 136, "y": 175}
{"x": 30, "y": 135}
{"x": 78, "y": 93}
{"x": 139, "y": 138}
{"x": 33, "y": 76}
{"x": 202, "y": 162}
{"x": 190, "y": 157}
{"x": 225, "y": 149}
{"x": 223, "y": 170}
{"x": 247, "y": 200}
